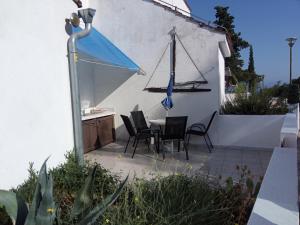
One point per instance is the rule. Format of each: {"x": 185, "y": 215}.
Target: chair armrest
{"x": 197, "y": 125}
{"x": 145, "y": 130}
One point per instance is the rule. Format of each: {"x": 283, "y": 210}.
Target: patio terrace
{"x": 221, "y": 162}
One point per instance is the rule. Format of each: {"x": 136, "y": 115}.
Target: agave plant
{"x": 43, "y": 210}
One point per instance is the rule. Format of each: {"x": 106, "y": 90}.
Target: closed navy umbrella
{"x": 168, "y": 102}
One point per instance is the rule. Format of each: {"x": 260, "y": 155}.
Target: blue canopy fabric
{"x": 100, "y": 48}
{"x": 168, "y": 102}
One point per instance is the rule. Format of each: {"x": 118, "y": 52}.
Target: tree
{"x": 235, "y": 63}
{"x": 252, "y": 77}
{"x": 251, "y": 68}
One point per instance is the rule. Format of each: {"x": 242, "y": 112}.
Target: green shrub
{"x": 67, "y": 179}
{"x": 4, "y": 218}
{"x": 262, "y": 103}
{"x": 293, "y": 94}
{"x": 177, "y": 199}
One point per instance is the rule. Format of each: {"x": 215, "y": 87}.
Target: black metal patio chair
{"x": 143, "y": 135}
{"x": 139, "y": 121}
{"x": 175, "y": 130}
{"x": 200, "y": 129}
{"x": 141, "y": 125}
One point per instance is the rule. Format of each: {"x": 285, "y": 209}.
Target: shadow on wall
{"x": 98, "y": 81}
{"x": 121, "y": 131}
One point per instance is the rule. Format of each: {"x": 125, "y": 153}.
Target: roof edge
{"x": 190, "y": 18}
{"x": 187, "y": 5}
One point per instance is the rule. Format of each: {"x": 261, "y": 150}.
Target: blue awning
{"x": 101, "y": 49}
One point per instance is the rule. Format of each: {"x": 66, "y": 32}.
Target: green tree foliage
{"x": 250, "y": 74}
{"x": 224, "y": 19}
{"x": 291, "y": 92}
{"x": 251, "y": 68}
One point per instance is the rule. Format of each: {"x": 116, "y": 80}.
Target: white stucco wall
{"x": 35, "y": 115}
{"x": 140, "y": 29}
{"x": 249, "y": 131}
{"x": 222, "y": 76}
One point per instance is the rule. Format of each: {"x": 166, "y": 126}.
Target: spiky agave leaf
{"x": 30, "y": 220}
{"x": 14, "y": 206}
{"x": 98, "y": 211}
{"x": 83, "y": 199}
{"x": 9, "y": 201}
{"x": 22, "y": 210}
{"x": 46, "y": 211}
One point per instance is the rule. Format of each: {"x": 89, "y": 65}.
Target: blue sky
{"x": 265, "y": 24}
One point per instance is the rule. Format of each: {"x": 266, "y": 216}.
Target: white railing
{"x": 290, "y": 129}
{"x": 277, "y": 201}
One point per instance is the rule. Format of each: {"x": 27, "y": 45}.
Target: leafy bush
{"x": 4, "y": 218}
{"x": 262, "y": 103}
{"x": 177, "y": 199}
{"x": 67, "y": 179}
{"x": 293, "y": 94}
{"x": 43, "y": 210}
{"x": 181, "y": 200}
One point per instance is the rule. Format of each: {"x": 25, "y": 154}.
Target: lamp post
{"x": 291, "y": 41}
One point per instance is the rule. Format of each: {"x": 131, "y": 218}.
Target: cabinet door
{"x": 106, "y": 130}
{"x": 90, "y": 135}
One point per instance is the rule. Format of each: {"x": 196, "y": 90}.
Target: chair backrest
{"x": 128, "y": 125}
{"x": 175, "y": 127}
{"x": 139, "y": 120}
{"x": 210, "y": 121}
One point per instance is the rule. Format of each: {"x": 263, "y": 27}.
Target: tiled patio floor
{"x": 221, "y": 162}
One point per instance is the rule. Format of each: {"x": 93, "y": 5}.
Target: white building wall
{"x": 35, "y": 115}
{"x": 222, "y": 76}
{"x": 140, "y": 29}
{"x": 36, "y": 119}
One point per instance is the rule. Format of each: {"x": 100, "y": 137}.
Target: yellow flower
{"x": 50, "y": 210}
{"x": 189, "y": 166}
{"x": 136, "y": 199}
{"x": 107, "y": 221}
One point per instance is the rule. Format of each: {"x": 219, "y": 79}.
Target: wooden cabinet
{"x": 106, "y": 130}
{"x": 98, "y": 132}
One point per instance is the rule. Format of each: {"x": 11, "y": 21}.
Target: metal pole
{"x": 291, "y": 41}
{"x": 172, "y": 53}
{"x": 87, "y": 16}
{"x": 291, "y": 55}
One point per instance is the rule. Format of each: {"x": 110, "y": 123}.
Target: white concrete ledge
{"x": 277, "y": 201}
{"x": 289, "y": 131}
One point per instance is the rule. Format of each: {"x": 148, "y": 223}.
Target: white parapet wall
{"x": 290, "y": 128}
{"x": 289, "y": 131}
{"x": 248, "y": 131}
{"x": 277, "y": 201}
